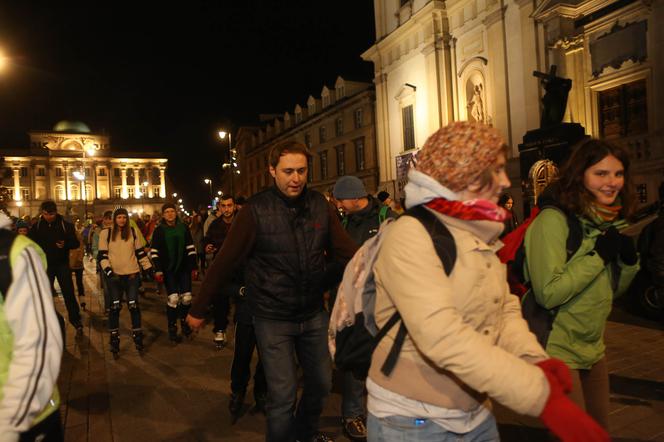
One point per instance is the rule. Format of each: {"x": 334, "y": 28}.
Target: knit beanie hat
{"x": 349, "y": 187}
{"x": 120, "y": 211}
{"x": 382, "y": 196}
{"x": 457, "y": 154}
{"x": 168, "y": 206}
{"x": 21, "y": 224}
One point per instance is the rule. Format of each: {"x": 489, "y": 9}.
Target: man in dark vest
{"x": 293, "y": 248}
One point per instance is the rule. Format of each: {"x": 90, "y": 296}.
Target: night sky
{"x": 164, "y": 79}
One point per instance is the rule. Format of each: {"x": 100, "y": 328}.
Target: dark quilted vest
{"x": 285, "y": 268}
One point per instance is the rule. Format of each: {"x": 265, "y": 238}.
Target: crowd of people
{"x": 276, "y": 262}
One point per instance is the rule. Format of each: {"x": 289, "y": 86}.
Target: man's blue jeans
{"x": 279, "y": 343}
{"x": 407, "y": 429}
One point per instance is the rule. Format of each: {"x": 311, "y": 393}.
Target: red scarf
{"x": 471, "y": 210}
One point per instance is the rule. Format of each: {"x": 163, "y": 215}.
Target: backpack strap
{"x": 443, "y": 242}
{"x": 6, "y": 239}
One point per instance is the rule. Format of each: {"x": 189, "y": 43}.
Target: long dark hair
{"x": 569, "y": 189}
{"x": 124, "y": 231}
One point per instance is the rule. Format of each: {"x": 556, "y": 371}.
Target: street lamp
{"x": 232, "y": 157}
{"x": 80, "y": 175}
{"x": 208, "y": 181}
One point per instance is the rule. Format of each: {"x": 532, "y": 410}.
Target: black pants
{"x": 245, "y": 343}
{"x": 78, "y": 274}
{"x": 63, "y": 275}
{"x": 48, "y": 430}
{"x": 220, "y": 309}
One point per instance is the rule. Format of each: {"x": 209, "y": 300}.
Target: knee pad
{"x": 133, "y": 305}
{"x": 186, "y": 298}
{"x": 173, "y": 300}
{"x": 116, "y": 306}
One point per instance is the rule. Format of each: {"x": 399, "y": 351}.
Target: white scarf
{"x": 421, "y": 189}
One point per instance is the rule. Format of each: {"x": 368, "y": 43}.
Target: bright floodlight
{"x": 219, "y": 192}
{"x": 78, "y": 175}
{"x": 206, "y": 181}
{"x": 4, "y": 61}
{"x": 175, "y": 195}
{"x": 222, "y": 134}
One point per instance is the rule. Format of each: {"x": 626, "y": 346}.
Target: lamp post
{"x": 80, "y": 175}
{"x": 208, "y": 181}
{"x": 232, "y": 158}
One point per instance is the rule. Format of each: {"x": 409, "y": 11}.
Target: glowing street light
{"x": 208, "y": 181}
{"x": 232, "y": 157}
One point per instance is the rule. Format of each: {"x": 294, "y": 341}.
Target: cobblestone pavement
{"x": 180, "y": 393}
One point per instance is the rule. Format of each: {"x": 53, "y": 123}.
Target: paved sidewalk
{"x": 180, "y": 393}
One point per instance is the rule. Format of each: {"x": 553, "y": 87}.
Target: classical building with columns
{"x": 441, "y": 61}
{"x": 79, "y": 171}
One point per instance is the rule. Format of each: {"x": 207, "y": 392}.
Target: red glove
{"x": 159, "y": 277}
{"x": 562, "y": 416}
{"x": 560, "y": 371}
{"x": 194, "y": 275}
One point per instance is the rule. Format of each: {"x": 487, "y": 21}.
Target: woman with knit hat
{"x": 466, "y": 339}
{"x": 174, "y": 256}
{"x": 594, "y": 186}
{"x": 121, "y": 257}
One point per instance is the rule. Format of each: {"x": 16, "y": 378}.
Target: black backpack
{"x": 355, "y": 344}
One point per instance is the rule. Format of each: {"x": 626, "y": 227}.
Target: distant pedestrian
{"x": 507, "y": 203}
{"x": 174, "y": 257}
{"x": 363, "y": 217}
{"x": 121, "y": 257}
{"x": 57, "y": 237}
{"x": 76, "y": 265}
{"x": 595, "y": 187}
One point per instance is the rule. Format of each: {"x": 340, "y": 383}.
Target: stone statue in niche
{"x": 554, "y": 101}
{"x": 476, "y": 105}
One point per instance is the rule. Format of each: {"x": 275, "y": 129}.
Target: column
{"x": 137, "y": 182}
{"x": 162, "y": 182}
{"x": 149, "y": 174}
{"x": 65, "y": 169}
{"x": 82, "y": 183}
{"x": 124, "y": 192}
{"x": 17, "y": 184}
{"x": 109, "y": 166}
{"x": 95, "y": 189}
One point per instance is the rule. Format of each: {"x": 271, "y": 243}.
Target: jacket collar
{"x": 474, "y": 235}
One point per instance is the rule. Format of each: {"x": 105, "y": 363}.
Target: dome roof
{"x": 68, "y": 126}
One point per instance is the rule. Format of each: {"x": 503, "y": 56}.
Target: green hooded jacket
{"x": 583, "y": 287}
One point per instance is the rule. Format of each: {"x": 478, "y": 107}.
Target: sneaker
{"x": 220, "y": 339}
{"x": 355, "y": 429}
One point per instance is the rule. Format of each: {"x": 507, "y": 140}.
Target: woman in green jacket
{"x": 594, "y": 186}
